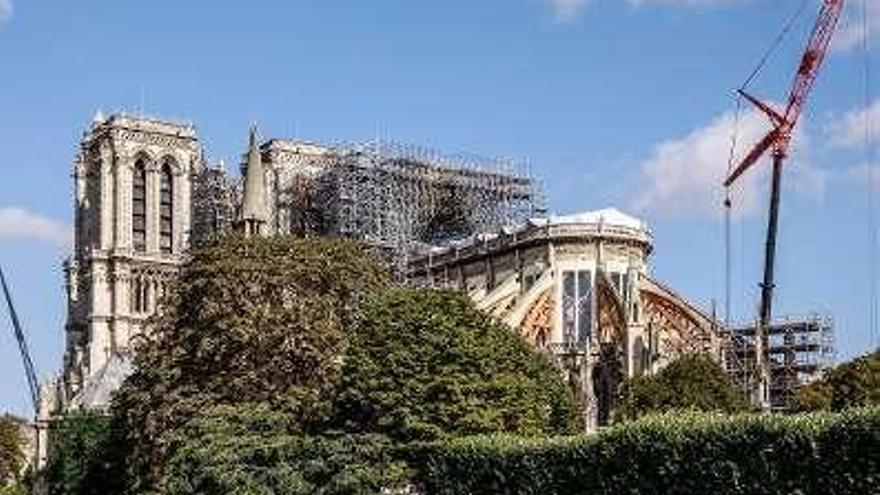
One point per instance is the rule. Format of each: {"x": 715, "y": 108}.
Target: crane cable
{"x": 869, "y": 157}
{"x": 728, "y": 205}
{"x": 775, "y": 45}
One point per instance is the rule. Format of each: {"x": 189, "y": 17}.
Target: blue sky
{"x": 613, "y": 102}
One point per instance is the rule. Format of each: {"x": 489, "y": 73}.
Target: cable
{"x": 765, "y": 58}
{"x": 869, "y": 156}
{"x": 728, "y": 205}
{"x": 775, "y": 45}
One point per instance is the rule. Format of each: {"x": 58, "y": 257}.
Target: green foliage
{"x": 82, "y": 456}
{"x": 249, "y": 320}
{"x": 681, "y": 453}
{"x": 11, "y": 450}
{"x": 420, "y": 365}
{"x": 13, "y": 489}
{"x": 427, "y": 365}
{"x": 247, "y": 450}
{"x": 852, "y": 384}
{"x": 282, "y": 365}
{"x": 693, "y": 381}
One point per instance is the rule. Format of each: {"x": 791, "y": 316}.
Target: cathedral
{"x": 578, "y": 288}
{"x": 145, "y": 192}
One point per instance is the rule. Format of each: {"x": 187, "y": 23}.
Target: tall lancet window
{"x": 166, "y": 208}
{"x": 139, "y": 207}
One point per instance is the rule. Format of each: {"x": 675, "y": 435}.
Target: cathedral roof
{"x": 606, "y": 216}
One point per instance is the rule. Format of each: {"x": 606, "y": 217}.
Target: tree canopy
{"x": 11, "y": 450}
{"x": 82, "y": 456}
{"x": 426, "y": 365}
{"x": 852, "y": 384}
{"x": 293, "y": 361}
{"x": 693, "y": 381}
{"x": 248, "y": 320}
{"x": 246, "y": 449}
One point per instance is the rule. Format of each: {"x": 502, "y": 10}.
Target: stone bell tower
{"x": 132, "y": 183}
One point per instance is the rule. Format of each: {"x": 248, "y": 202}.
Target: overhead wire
{"x": 728, "y": 204}
{"x": 869, "y": 157}
{"x": 765, "y": 58}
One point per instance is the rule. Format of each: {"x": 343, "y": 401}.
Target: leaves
{"x": 82, "y": 456}
{"x": 693, "y": 381}
{"x": 282, "y": 365}
{"x": 680, "y": 453}
{"x": 427, "y": 365}
{"x": 11, "y": 449}
{"x": 246, "y": 449}
{"x": 852, "y": 384}
{"x": 249, "y": 320}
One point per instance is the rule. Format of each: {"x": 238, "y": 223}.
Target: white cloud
{"x": 851, "y": 129}
{"x": 686, "y": 3}
{"x": 17, "y": 224}
{"x": 5, "y": 11}
{"x": 684, "y": 177}
{"x": 565, "y": 10}
{"x": 569, "y": 10}
{"x": 862, "y": 174}
{"x": 852, "y": 33}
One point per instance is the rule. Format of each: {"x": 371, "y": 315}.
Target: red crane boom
{"x": 779, "y": 139}
{"x": 783, "y": 124}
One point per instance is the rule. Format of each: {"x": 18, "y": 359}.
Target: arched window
{"x": 166, "y": 208}
{"x": 139, "y": 206}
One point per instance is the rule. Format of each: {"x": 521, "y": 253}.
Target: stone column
{"x": 182, "y": 221}
{"x": 106, "y": 215}
{"x": 99, "y": 345}
{"x": 153, "y": 209}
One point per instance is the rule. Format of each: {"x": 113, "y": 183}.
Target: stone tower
{"x": 133, "y": 183}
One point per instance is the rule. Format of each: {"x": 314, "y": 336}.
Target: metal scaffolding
{"x": 406, "y": 199}
{"x": 400, "y": 199}
{"x": 797, "y": 352}
{"x": 214, "y": 203}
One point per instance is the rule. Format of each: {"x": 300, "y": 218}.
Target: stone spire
{"x": 253, "y": 212}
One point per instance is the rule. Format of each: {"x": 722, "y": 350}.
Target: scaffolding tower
{"x": 405, "y": 200}
{"x": 798, "y": 351}
{"x": 400, "y": 199}
{"x": 214, "y": 200}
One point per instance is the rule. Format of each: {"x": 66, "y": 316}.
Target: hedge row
{"x": 673, "y": 454}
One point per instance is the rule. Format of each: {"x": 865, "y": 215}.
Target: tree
{"x": 280, "y": 362}
{"x": 852, "y": 384}
{"x": 82, "y": 456}
{"x": 11, "y": 450}
{"x": 693, "y": 381}
{"x": 246, "y": 449}
{"x": 427, "y": 365}
{"x": 248, "y": 320}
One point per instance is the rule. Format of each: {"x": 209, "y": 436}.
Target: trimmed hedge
{"x": 676, "y": 453}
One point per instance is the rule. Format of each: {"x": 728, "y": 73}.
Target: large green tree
{"x": 693, "y": 381}
{"x": 246, "y": 449}
{"x": 11, "y": 450}
{"x": 427, "y": 365}
{"x": 281, "y": 362}
{"x": 852, "y": 384}
{"x": 83, "y": 457}
{"x": 248, "y": 320}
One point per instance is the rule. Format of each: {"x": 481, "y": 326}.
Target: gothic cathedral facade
{"x": 133, "y": 181}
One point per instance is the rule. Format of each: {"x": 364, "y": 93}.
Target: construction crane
{"x": 778, "y": 141}
{"x": 22, "y": 347}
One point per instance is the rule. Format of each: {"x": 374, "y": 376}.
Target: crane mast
{"x": 29, "y": 371}
{"x": 778, "y": 140}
